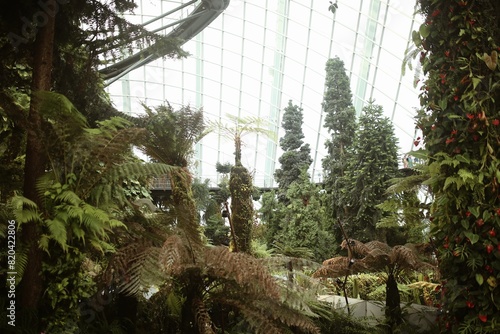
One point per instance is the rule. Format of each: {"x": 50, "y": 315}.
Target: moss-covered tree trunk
{"x": 185, "y": 206}
{"x": 242, "y": 212}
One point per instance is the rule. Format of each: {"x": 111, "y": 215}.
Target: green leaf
{"x": 465, "y": 224}
{"x": 475, "y": 211}
{"x": 479, "y": 279}
{"x": 472, "y": 237}
{"x": 475, "y": 82}
{"x": 486, "y": 215}
{"x": 416, "y": 38}
{"x": 424, "y": 30}
{"x": 443, "y": 104}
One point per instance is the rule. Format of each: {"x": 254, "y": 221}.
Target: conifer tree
{"x": 296, "y": 155}
{"x": 373, "y": 165}
{"x": 340, "y": 120}
{"x": 303, "y": 222}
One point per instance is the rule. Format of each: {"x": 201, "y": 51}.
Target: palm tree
{"x": 240, "y": 181}
{"x": 376, "y": 256}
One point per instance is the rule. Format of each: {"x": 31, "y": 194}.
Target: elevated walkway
{"x": 187, "y": 28}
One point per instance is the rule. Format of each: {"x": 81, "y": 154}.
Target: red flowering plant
{"x": 460, "y": 122}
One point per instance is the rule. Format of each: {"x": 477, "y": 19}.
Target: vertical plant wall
{"x": 460, "y": 121}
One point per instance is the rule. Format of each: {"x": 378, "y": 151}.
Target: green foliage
{"x": 296, "y": 155}
{"x": 223, "y": 168}
{"x": 271, "y": 215}
{"x": 68, "y": 284}
{"x": 370, "y": 170}
{"x": 171, "y": 133}
{"x": 304, "y": 222}
{"x": 239, "y": 127}
{"x": 340, "y": 121}
{"x": 332, "y": 321}
{"x": 460, "y": 123}
{"x": 69, "y": 220}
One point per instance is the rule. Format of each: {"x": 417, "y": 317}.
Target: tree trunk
{"x": 237, "y": 151}
{"x": 242, "y": 213}
{"x": 31, "y": 286}
{"x": 392, "y": 301}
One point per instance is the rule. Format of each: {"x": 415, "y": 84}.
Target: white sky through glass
{"x": 257, "y": 55}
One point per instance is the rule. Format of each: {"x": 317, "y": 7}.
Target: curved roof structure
{"x": 255, "y": 56}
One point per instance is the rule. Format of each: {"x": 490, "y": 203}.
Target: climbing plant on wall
{"x": 460, "y": 121}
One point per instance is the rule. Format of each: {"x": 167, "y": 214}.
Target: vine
{"x": 460, "y": 122}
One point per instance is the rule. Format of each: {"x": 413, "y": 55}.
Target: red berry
{"x": 495, "y": 122}
{"x": 470, "y": 304}
{"x": 492, "y": 232}
{"x": 480, "y": 222}
{"x": 483, "y": 317}
{"x": 489, "y": 248}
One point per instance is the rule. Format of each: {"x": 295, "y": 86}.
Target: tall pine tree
{"x": 340, "y": 121}
{"x": 296, "y": 155}
{"x": 370, "y": 170}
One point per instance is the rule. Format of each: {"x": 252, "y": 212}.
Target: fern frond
{"x": 377, "y": 260}
{"x": 135, "y": 170}
{"x": 141, "y": 272}
{"x": 21, "y": 263}
{"x": 24, "y": 210}
{"x": 279, "y": 262}
{"x": 423, "y": 285}
{"x": 174, "y": 303}
{"x": 404, "y": 257}
{"x": 290, "y": 319}
{"x": 174, "y": 255}
{"x": 222, "y": 264}
{"x": 371, "y": 245}
{"x": 102, "y": 246}
{"x": 358, "y": 248}
{"x": 340, "y": 266}
{"x": 259, "y": 322}
{"x": 69, "y": 197}
{"x": 57, "y": 229}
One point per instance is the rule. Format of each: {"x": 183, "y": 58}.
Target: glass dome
{"x": 255, "y": 56}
